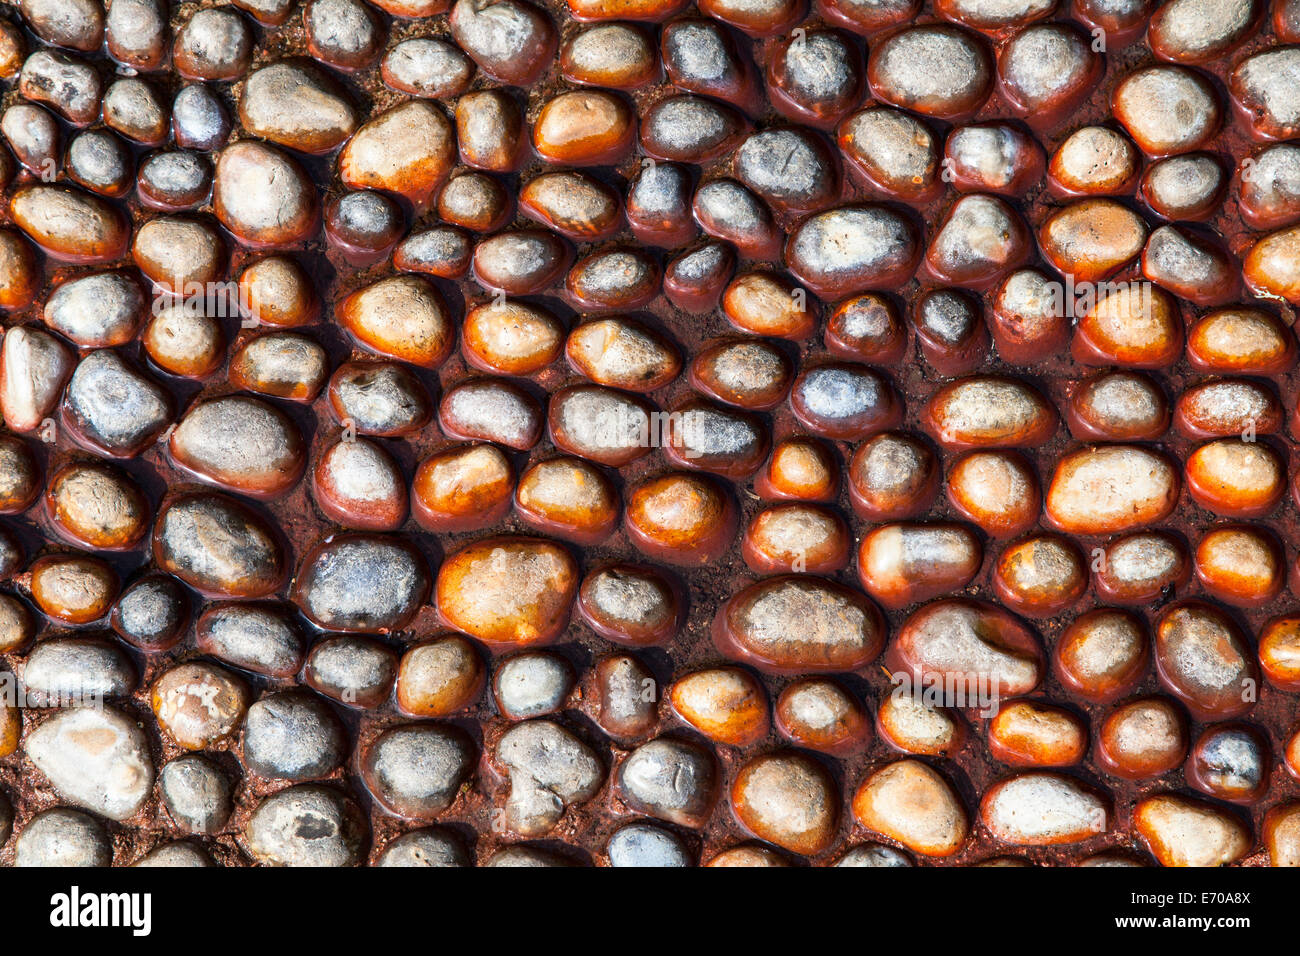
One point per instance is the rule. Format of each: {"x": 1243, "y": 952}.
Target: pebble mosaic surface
{"x": 636, "y": 432}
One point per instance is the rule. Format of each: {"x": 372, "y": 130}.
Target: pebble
{"x": 295, "y": 105}
{"x": 99, "y": 161}
{"x": 364, "y": 226}
{"x": 1167, "y": 109}
{"x": 762, "y": 303}
{"x": 199, "y": 704}
{"x": 427, "y": 67}
{"x": 681, "y": 518}
{"x": 461, "y": 488}
{"x": 218, "y": 546}
{"x": 74, "y": 589}
{"x": 362, "y": 582}
{"x": 69, "y": 671}
{"x": 670, "y": 779}
{"x": 980, "y": 239}
{"x": 938, "y": 70}
{"x": 732, "y": 212}
{"x": 625, "y": 696}
{"x": 573, "y": 204}
{"x": 152, "y": 613}
{"x": 1047, "y": 70}
{"x": 1279, "y": 641}
{"x": 69, "y": 225}
{"x": 1202, "y": 658}
{"x": 1025, "y": 733}
{"x": 989, "y": 412}
{"x": 199, "y": 118}
{"x": 622, "y": 353}
{"x": 787, "y": 799}
{"x": 822, "y": 715}
{"x": 892, "y": 476}
{"x": 488, "y": 409}
{"x": 280, "y": 364}
{"x": 1236, "y": 478}
{"x": 214, "y": 44}
{"x": 1261, "y": 93}
{"x": 701, "y": 56}
{"x": 613, "y": 280}
{"x": 1241, "y": 341}
{"x": 568, "y": 498}
{"x": 262, "y": 638}
{"x": 184, "y": 341}
{"x": 1118, "y": 406}
{"x": 443, "y": 251}
{"x": 1043, "y": 809}
{"x": 615, "y": 55}
{"x": 344, "y": 34}
{"x": 174, "y": 182}
{"x": 837, "y": 629}
{"x": 1183, "y": 832}
{"x": 132, "y": 108}
{"x": 1093, "y": 160}
{"x": 1102, "y": 654}
{"x": 306, "y": 825}
{"x": 353, "y": 670}
{"x": 136, "y": 33}
{"x": 844, "y": 402}
{"x": 439, "y": 677}
{"x": 17, "y": 627}
{"x": 690, "y": 129}
{"x": 702, "y": 436}
{"x": 874, "y": 854}
{"x": 66, "y": 84}
{"x": 33, "y": 369}
{"x": 1091, "y": 239}
{"x": 96, "y": 759}
{"x": 522, "y": 262}
{"x": 1230, "y": 762}
{"x": 796, "y": 537}
{"x": 849, "y": 250}
{"x": 75, "y": 24}
{"x": 817, "y": 81}
{"x": 512, "y": 41}
{"x": 511, "y": 591}
{"x": 532, "y": 685}
{"x": 630, "y": 604}
{"x": 725, "y": 704}
{"x": 490, "y": 130}
{"x": 239, "y": 443}
{"x": 379, "y": 398}
{"x": 1142, "y": 739}
{"x": 402, "y": 317}
{"x": 694, "y": 280}
{"x": 292, "y": 736}
{"x": 946, "y": 641}
{"x": 416, "y": 770}
{"x": 747, "y": 373}
{"x": 429, "y": 847}
{"x": 263, "y": 196}
{"x": 643, "y": 845}
{"x": 549, "y": 770}
{"x": 909, "y": 802}
{"x": 1040, "y": 576}
{"x": 997, "y": 491}
{"x": 33, "y": 135}
{"x": 1110, "y": 488}
{"x": 63, "y": 837}
{"x": 906, "y": 563}
{"x": 180, "y": 853}
{"x": 197, "y": 794}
